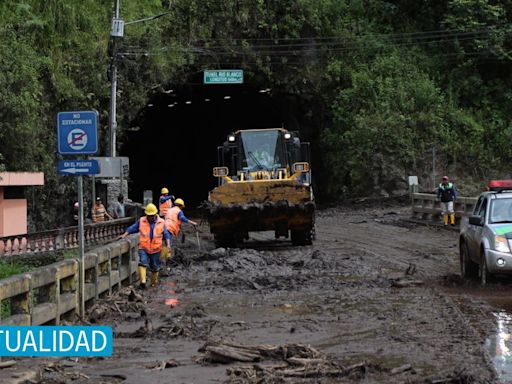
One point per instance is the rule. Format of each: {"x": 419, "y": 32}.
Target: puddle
{"x": 499, "y": 344}
{"x": 294, "y": 309}
{"x": 499, "y": 347}
{"x": 172, "y": 302}
{"x": 168, "y": 291}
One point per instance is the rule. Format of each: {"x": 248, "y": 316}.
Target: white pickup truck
{"x": 485, "y": 239}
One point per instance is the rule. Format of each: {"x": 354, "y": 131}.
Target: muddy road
{"x": 374, "y": 300}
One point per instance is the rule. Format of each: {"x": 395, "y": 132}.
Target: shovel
{"x": 197, "y": 237}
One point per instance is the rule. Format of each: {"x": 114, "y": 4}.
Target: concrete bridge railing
{"x": 426, "y": 208}
{"x": 50, "y": 294}
{"x": 62, "y": 238}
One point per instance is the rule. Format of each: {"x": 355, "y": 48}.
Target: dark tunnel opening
{"x": 180, "y": 129}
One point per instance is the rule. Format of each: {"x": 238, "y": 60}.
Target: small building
{"x": 13, "y": 205}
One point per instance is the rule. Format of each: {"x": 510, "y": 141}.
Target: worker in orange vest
{"x": 175, "y": 217}
{"x": 165, "y": 202}
{"x": 152, "y": 231}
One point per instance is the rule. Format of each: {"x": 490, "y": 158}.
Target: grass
{"x": 12, "y": 268}
{"x": 8, "y": 269}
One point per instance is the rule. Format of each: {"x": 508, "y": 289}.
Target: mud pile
{"x": 367, "y": 302}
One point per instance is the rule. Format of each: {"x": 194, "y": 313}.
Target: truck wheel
{"x": 468, "y": 269}
{"x": 483, "y": 271}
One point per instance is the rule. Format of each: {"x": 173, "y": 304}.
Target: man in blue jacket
{"x": 447, "y": 194}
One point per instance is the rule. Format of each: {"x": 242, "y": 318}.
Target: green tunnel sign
{"x": 224, "y": 76}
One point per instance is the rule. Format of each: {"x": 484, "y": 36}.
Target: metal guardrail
{"x": 63, "y": 238}
{"x": 425, "y": 207}
{"x": 50, "y": 294}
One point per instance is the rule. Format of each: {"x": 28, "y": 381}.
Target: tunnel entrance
{"x": 180, "y": 129}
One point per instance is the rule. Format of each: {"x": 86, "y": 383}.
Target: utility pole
{"x": 434, "y": 176}
{"x": 116, "y": 31}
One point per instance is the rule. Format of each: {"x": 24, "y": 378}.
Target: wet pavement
{"x": 374, "y": 300}
{"x": 499, "y": 346}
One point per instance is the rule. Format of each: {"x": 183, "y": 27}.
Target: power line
{"x": 297, "y": 51}
{"x": 397, "y": 34}
{"x": 286, "y": 49}
{"x": 275, "y": 53}
{"x": 357, "y": 39}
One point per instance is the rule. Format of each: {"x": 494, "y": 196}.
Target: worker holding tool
{"x": 152, "y": 231}
{"x": 165, "y": 202}
{"x": 175, "y": 217}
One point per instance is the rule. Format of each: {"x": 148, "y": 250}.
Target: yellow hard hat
{"x": 151, "y": 209}
{"x": 164, "y": 190}
{"x": 179, "y": 202}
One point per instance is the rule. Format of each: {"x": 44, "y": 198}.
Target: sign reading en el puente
{"x": 224, "y": 76}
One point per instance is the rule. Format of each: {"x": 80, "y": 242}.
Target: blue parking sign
{"x": 77, "y": 132}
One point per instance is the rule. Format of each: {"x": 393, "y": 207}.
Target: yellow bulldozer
{"x": 264, "y": 184}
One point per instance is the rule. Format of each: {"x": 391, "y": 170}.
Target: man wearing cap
{"x": 99, "y": 213}
{"x": 152, "y": 231}
{"x": 447, "y": 193}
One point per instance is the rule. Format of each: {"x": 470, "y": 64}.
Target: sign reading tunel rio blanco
{"x": 224, "y": 76}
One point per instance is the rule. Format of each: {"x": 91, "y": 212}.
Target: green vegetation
{"x": 11, "y": 268}
{"x": 378, "y": 83}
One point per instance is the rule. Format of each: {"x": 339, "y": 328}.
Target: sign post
{"x": 77, "y": 134}
{"x": 81, "y": 246}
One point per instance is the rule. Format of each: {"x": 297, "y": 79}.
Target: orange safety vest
{"x": 164, "y": 207}
{"x": 145, "y": 242}
{"x": 172, "y": 222}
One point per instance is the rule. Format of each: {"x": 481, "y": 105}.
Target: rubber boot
{"x": 445, "y": 219}
{"x": 452, "y": 219}
{"x": 142, "y": 276}
{"x": 154, "y": 279}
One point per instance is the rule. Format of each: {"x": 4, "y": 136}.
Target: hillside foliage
{"x": 380, "y": 83}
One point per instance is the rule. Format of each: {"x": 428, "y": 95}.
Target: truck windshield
{"x": 501, "y": 211}
{"x": 261, "y": 150}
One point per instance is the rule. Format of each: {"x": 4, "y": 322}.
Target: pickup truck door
{"x": 474, "y": 233}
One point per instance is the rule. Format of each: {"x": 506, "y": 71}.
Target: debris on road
{"x": 226, "y": 352}
{"x": 316, "y": 369}
{"x": 363, "y": 304}
{"x": 7, "y": 364}
{"x": 404, "y": 283}
{"x": 161, "y": 365}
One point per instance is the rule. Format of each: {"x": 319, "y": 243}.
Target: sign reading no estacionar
{"x": 224, "y": 76}
{"x": 77, "y": 132}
